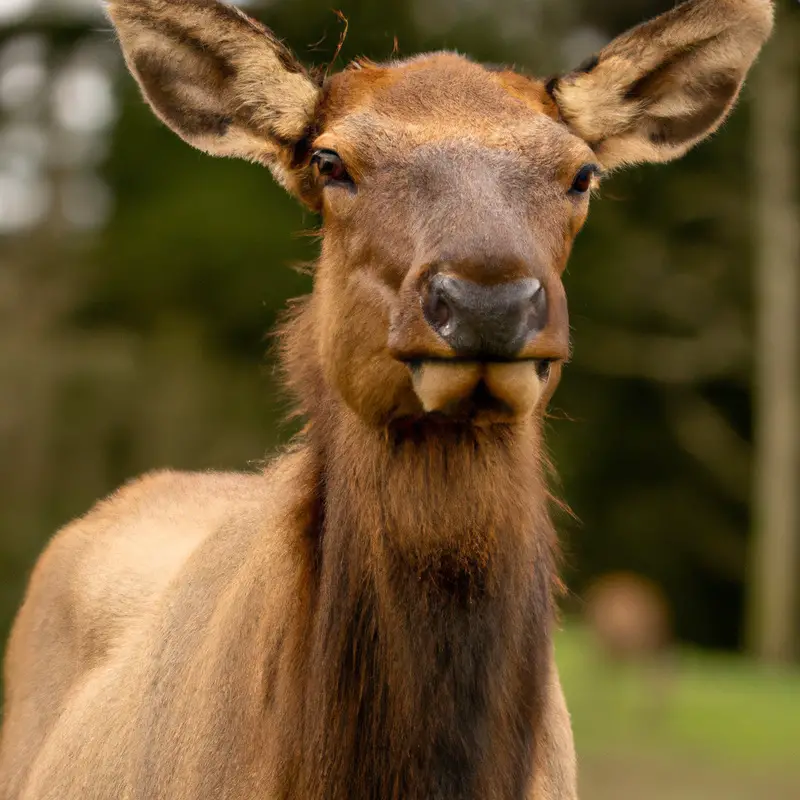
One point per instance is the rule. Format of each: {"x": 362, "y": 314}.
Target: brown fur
{"x": 370, "y": 617}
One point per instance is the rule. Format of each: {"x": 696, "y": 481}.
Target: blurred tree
{"x": 774, "y": 614}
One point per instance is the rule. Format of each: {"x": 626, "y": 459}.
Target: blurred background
{"x": 139, "y": 280}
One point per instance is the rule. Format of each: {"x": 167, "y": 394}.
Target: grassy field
{"x": 696, "y": 727}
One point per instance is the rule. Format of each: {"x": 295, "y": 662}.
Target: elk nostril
{"x": 537, "y": 309}
{"x": 438, "y": 310}
{"x": 441, "y": 312}
{"x": 531, "y": 312}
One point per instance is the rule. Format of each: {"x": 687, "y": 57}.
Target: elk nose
{"x": 485, "y": 322}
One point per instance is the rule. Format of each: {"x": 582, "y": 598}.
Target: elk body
{"x": 370, "y": 618}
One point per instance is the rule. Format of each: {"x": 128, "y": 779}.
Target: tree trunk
{"x": 775, "y": 559}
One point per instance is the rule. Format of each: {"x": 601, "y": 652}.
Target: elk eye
{"x": 329, "y": 165}
{"x": 583, "y": 180}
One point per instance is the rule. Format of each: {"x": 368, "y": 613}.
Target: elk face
{"x": 450, "y": 194}
{"x": 450, "y": 197}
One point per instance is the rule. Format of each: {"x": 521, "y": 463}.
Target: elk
{"x": 370, "y": 616}
{"x": 629, "y": 617}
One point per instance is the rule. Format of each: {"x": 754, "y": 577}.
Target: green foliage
{"x": 691, "y": 725}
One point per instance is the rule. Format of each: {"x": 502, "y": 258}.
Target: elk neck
{"x": 430, "y": 623}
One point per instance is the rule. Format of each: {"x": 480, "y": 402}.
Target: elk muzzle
{"x": 478, "y": 349}
{"x": 485, "y": 323}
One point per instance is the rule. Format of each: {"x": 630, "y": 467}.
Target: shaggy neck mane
{"x": 430, "y": 628}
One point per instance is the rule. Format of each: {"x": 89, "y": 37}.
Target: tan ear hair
{"x": 663, "y": 86}
{"x": 222, "y": 81}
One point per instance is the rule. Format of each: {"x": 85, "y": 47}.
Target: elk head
{"x": 450, "y": 193}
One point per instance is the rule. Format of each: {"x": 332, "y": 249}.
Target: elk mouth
{"x": 463, "y": 388}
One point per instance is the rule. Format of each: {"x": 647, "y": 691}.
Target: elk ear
{"x": 219, "y": 79}
{"x": 664, "y": 86}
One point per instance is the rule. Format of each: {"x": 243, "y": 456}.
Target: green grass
{"x": 698, "y": 726}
